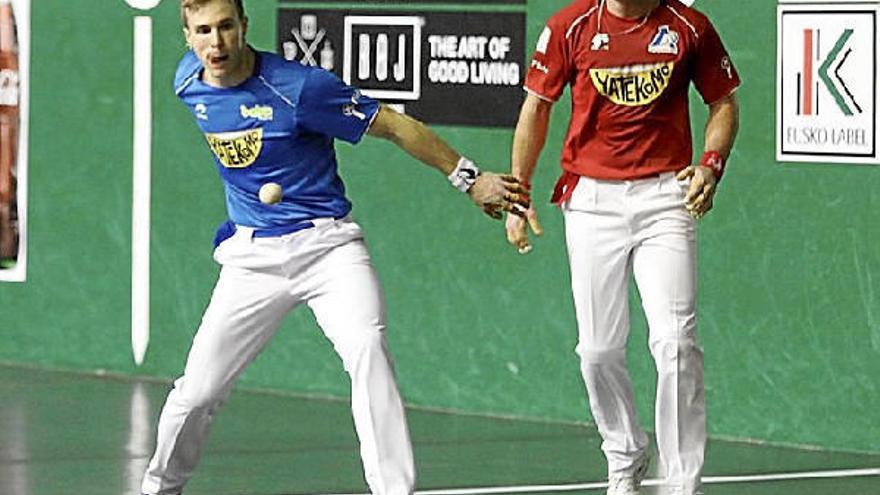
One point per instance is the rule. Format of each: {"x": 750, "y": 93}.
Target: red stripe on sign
{"x": 808, "y": 72}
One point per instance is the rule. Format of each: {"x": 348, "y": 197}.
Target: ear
{"x": 186, "y": 36}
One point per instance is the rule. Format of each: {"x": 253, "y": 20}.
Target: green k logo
{"x": 833, "y": 82}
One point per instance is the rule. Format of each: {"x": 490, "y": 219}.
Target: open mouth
{"x": 218, "y": 59}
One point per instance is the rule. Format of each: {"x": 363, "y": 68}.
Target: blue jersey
{"x": 277, "y": 126}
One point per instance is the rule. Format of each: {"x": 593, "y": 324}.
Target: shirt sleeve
{"x": 550, "y": 68}
{"x": 330, "y": 107}
{"x": 714, "y": 76}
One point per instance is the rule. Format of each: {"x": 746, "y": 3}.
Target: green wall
{"x": 789, "y": 258}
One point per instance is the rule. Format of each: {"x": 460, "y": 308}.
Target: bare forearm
{"x": 529, "y": 137}
{"x": 416, "y": 139}
{"x": 492, "y": 192}
{"x": 722, "y": 125}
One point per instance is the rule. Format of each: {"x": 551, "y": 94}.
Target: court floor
{"x": 65, "y": 433}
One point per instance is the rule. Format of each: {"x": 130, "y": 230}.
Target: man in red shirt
{"x": 630, "y": 197}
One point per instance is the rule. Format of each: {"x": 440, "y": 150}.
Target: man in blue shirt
{"x": 271, "y": 126}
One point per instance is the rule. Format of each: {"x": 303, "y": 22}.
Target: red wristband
{"x": 715, "y": 161}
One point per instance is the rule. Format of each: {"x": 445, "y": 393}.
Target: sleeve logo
{"x": 238, "y": 149}
{"x": 351, "y": 110}
{"x": 536, "y": 64}
{"x": 727, "y": 67}
{"x": 544, "y": 40}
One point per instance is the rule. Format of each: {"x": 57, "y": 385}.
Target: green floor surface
{"x": 73, "y": 434}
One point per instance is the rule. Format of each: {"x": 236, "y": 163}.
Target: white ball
{"x": 270, "y": 193}
{"x": 143, "y": 4}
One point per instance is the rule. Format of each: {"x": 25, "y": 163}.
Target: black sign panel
{"x": 444, "y": 67}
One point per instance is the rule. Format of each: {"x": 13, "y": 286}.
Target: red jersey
{"x": 629, "y": 83}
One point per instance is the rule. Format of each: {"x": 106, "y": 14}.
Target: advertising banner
{"x": 454, "y": 68}
{"x": 14, "y": 50}
{"x": 827, "y": 87}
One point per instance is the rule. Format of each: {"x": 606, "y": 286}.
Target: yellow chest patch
{"x": 238, "y": 149}
{"x": 633, "y": 86}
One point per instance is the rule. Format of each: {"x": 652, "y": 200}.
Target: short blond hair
{"x": 187, "y": 5}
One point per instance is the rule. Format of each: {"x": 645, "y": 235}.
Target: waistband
{"x": 227, "y": 229}
{"x": 564, "y": 187}
{"x": 283, "y": 230}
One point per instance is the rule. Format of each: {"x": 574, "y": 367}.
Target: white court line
{"x": 709, "y": 480}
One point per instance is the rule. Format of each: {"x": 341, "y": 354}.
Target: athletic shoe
{"x": 629, "y": 484}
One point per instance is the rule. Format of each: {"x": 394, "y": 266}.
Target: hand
{"x": 495, "y": 193}
{"x": 701, "y": 192}
{"x": 517, "y": 233}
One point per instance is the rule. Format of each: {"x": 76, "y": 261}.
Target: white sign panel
{"x": 827, "y": 87}
{"x": 389, "y": 67}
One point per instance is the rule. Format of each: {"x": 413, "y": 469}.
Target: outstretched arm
{"x": 528, "y": 141}
{"x": 492, "y": 192}
{"x": 721, "y": 129}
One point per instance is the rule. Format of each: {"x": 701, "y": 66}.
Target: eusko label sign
{"x": 827, "y": 87}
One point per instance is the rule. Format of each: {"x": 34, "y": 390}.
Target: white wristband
{"x": 465, "y": 175}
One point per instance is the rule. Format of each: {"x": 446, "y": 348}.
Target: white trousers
{"x": 263, "y": 279}
{"x": 615, "y": 229}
